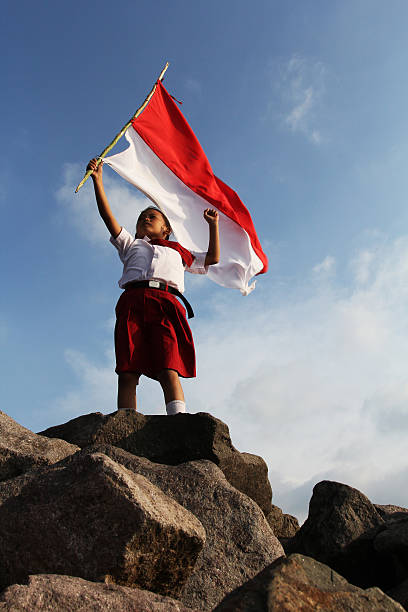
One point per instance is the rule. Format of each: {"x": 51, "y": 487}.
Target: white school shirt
{"x": 144, "y": 261}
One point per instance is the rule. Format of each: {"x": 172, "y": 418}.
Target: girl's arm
{"x": 213, "y": 253}
{"x": 101, "y": 199}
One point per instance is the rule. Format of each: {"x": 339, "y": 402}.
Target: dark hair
{"x": 166, "y": 221}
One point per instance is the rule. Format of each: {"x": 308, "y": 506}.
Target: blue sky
{"x": 300, "y": 107}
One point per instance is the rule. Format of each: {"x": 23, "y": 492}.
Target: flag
{"x": 165, "y": 161}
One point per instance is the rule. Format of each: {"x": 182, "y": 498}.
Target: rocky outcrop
{"x": 185, "y": 437}
{"x": 140, "y": 509}
{"x": 54, "y": 593}
{"x": 239, "y": 541}
{"x": 339, "y": 531}
{"x": 338, "y": 515}
{"x": 93, "y": 518}
{"x": 284, "y": 526}
{"x": 301, "y": 583}
{"x": 366, "y": 544}
{"x": 22, "y": 450}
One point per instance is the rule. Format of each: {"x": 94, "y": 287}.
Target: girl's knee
{"x": 167, "y": 376}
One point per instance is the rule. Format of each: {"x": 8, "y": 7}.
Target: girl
{"x": 152, "y": 336}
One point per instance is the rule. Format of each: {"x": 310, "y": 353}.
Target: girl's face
{"x": 151, "y": 223}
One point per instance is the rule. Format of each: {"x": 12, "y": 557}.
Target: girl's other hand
{"x": 211, "y": 216}
{"x": 96, "y": 171}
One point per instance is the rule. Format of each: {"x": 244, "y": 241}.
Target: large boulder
{"x": 301, "y": 583}
{"x": 22, "y": 450}
{"x": 340, "y": 531}
{"x": 338, "y": 515}
{"x": 91, "y": 517}
{"x": 172, "y": 440}
{"x": 239, "y": 541}
{"x": 52, "y": 593}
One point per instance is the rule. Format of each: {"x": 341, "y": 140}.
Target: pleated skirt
{"x": 152, "y": 334}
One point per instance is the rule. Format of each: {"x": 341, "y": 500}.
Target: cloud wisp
{"x": 300, "y": 87}
{"x": 326, "y": 267}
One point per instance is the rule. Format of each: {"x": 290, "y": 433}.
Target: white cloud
{"x": 301, "y": 86}
{"x": 388, "y": 408}
{"x": 327, "y": 266}
{"x": 362, "y": 266}
{"x": 96, "y": 388}
{"x": 298, "y": 114}
{"x": 80, "y": 208}
{"x": 316, "y": 383}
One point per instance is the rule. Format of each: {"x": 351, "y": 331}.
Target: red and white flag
{"x": 166, "y": 162}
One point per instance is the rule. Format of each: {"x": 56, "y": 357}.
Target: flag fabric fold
{"x": 165, "y": 161}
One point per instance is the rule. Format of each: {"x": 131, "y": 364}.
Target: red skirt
{"x": 152, "y": 334}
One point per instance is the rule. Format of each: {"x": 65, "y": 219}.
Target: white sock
{"x": 175, "y": 407}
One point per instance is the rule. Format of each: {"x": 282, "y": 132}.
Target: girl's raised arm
{"x": 102, "y": 201}
{"x": 213, "y": 252}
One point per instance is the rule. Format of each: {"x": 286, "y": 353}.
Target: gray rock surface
{"x": 338, "y": 515}
{"x": 52, "y": 593}
{"x": 22, "y": 450}
{"x": 239, "y": 540}
{"x": 299, "y": 583}
{"x": 340, "y": 531}
{"x": 283, "y": 525}
{"x": 90, "y": 517}
{"x": 185, "y": 437}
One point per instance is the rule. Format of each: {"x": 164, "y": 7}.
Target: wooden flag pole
{"x": 123, "y": 130}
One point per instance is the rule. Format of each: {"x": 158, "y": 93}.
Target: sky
{"x": 301, "y": 107}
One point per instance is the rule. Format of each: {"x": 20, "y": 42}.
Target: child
{"x": 152, "y": 336}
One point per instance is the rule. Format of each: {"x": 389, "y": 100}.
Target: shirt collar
{"x": 145, "y": 238}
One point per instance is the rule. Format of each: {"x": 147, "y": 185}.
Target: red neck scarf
{"x": 186, "y": 256}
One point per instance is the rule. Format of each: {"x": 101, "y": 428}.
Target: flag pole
{"x": 125, "y": 127}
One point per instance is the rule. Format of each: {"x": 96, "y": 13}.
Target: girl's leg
{"x": 173, "y": 392}
{"x": 127, "y": 382}
{"x": 170, "y": 383}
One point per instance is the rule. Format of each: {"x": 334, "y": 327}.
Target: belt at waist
{"x": 152, "y": 284}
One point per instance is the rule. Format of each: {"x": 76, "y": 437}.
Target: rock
{"x": 301, "y": 583}
{"x": 283, "y": 525}
{"x": 338, "y": 515}
{"x": 365, "y": 543}
{"x": 400, "y": 593}
{"x": 90, "y": 517}
{"x": 239, "y": 540}
{"x": 340, "y": 531}
{"x": 22, "y": 450}
{"x": 175, "y": 440}
{"x": 391, "y": 513}
{"x": 392, "y": 545}
{"x": 51, "y": 593}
